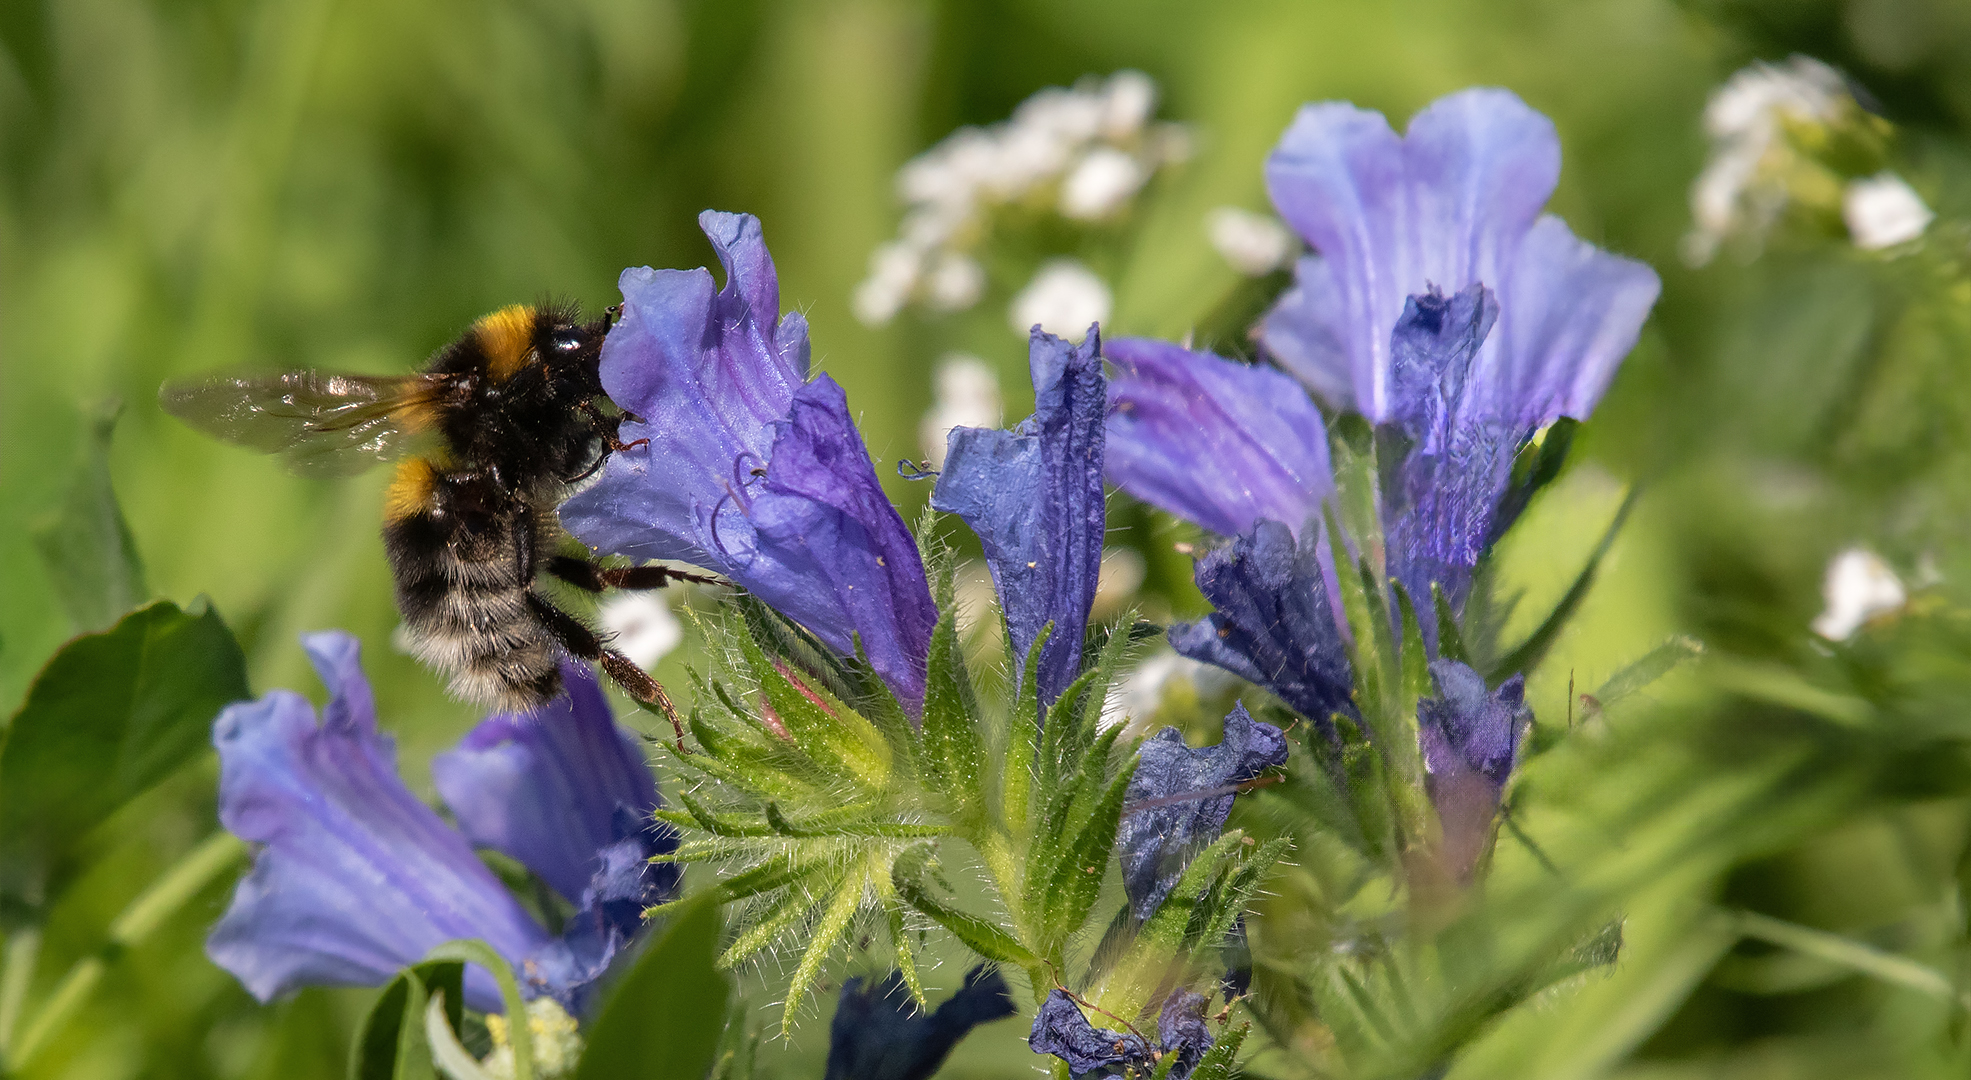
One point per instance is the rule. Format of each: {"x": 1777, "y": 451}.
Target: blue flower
{"x": 750, "y": 469}
{"x": 1060, "y": 1029}
{"x": 355, "y": 878}
{"x": 1470, "y": 738}
{"x": 1274, "y": 624}
{"x": 1179, "y": 798}
{"x": 1220, "y": 443}
{"x": 877, "y": 1034}
{"x": 1034, "y": 497}
{"x": 1452, "y": 205}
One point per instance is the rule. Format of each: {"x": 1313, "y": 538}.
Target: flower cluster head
{"x": 1441, "y": 306}
{"x": 1081, "y": 153}
{"x": 356, "y": 878}
{"x": 1785, "y": 135}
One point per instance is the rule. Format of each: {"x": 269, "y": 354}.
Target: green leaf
{"x": 1450, "y": 643}
{"x": 1654, "y": 664}
{"x": 519, "y": 1035}
{"x": 662, "y": 1020}
{"x": 85, "y": 542}
{"x": 829, "y": 931}
{"x": 1078, "y": 879}
{"x": 390, "y": 1044}
{"x": 1534, "y": 649}
{"x": 112, "y": 714}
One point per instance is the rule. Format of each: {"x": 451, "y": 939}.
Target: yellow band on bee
{"x": 506, "y": 336}
{"x": 410, "y": 492}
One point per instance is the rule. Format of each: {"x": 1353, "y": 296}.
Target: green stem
{"x": 23, "y": 949}
{"x": 150, "y": 910}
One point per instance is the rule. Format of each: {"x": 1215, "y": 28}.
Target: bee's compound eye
{"x": 566, "y": 339}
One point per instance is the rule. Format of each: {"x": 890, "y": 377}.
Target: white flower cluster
{"x": 967, "y": 396}
{"x": 1755, "y": 169}
{"x": 1254, "y": 244}
{"x": 1082, "y": 153}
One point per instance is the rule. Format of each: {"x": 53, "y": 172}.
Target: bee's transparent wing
{"x": 323, "y": 424}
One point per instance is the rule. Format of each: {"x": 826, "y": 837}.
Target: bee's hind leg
{"x": 593, "y": 577}
{"x": 586, "y": 644}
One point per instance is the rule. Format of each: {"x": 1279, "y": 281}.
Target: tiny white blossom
{"x": 1063, "y": 298}
{"x": 1100, "y": 184}
{"x": 1883, "y": 211}
{"x": 955, "y": 282}
{"x": 1130, "y": 98}
{"x": 967, "y": 396}
{"x": 1859, "y": 587}
{"x": 1255, "y": 244}
{"x": 641, "y": 625}
{"x": 1740, "y": 190}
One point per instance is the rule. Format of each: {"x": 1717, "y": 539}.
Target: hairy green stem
{"x": 1851, "y": 954}
{"x": 156, "y": 904}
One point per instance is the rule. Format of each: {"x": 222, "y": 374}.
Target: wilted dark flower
{"x": 1179, "y": 798}
{"x": 1062, "y": 1030}
{"x": 750, "y": 469}
{"x": 1274, "y": 624}
{"x": 1034, "y": 497}
{"x": 355, "y": 878}
{"x": 1470, "y": 740}
{"x": 878, "y": 1034}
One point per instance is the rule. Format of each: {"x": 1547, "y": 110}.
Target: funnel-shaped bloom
{"x": 750, "y": 469}
{"x": 1061, "y": 1029}
{"x": 355, "y": 878}
{"x": 878, "y": 1034}
{"x": 1452, "y": 203}
{"x": 1470, "y": 739}
{"x": 1034, "y": 497}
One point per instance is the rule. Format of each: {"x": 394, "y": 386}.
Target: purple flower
{"x": 1452, "y": 205}
{"x": 1470, "y": 738}
{"x": 751, "y": 470}
{"x": 1034, "y": 497}
{"x": 1179, "y": 798}
{"x": 877, "y": 1033}
{"x": 1274, "y": 624}
{"x": 1223, "y": 444}
{"x": 355, "y": 878}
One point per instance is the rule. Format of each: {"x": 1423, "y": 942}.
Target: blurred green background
{"x": 189, "y": 187}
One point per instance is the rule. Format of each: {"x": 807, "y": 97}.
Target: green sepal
{"x": 1023, "y": 746}
{"x": 1221, "y": 1061}
{"x": 953, "y": 756}
{"x": 1240, "y": 888}
{"x": 1450, "y": 642}
{"x": 390, "y": 1043}
{"x": 830, "y": 734}
{"x": 1077, "y": 881}
{"x": 1166, "y": 927}
{"x": 837, "y": 917}
{"x": 977, "y": 934}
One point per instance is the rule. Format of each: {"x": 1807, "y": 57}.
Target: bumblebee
{"x": 493, "y": 434}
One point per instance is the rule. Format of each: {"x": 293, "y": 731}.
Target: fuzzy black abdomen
{"x": 463, "y": 560}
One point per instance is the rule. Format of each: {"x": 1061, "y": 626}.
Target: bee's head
{"x": 568, "y": 346}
